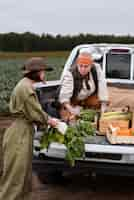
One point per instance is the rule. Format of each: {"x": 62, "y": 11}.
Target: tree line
{"x": 27, "y": 42}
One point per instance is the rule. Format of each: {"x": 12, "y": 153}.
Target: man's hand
{"x": 104, "y": 107}
{"x": 74, "y": 110}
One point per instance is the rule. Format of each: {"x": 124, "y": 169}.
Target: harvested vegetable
{"x": 73, "y": 139}
{"x": 51, "y": 135}
{"x": 124, "y": 132}
{"x": 116, "y": 115}
{"x": 87, "y": 114}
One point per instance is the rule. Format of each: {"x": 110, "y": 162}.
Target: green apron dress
{"x": 15, "y": 182}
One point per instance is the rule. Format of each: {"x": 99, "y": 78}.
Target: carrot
{"x": 124, "y": 132}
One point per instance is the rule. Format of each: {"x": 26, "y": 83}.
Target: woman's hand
{"x": 53, "y": 122}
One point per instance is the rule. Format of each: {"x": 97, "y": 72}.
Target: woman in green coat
{"x": 15, "y": 182}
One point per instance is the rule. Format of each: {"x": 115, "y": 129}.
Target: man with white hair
{"x": 84, "y": 84}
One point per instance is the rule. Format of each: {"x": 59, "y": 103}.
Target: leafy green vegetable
{"x": 73, "y": 139}
{"x": 87, "y": 114}
{"x": 51, "y": 135}
{"x": 85, "y": 128}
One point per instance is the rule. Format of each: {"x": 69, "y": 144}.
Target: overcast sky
{"x": 67, "y": 16}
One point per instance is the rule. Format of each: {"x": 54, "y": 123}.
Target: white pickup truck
{"x": 117, "y": 62}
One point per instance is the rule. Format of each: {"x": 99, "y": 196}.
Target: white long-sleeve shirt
{"x": 67, "y": 87}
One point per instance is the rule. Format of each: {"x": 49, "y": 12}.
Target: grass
{"x": 16, "y": 55}
{"x": 10, "y": 71}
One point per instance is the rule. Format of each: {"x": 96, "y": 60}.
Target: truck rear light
{"x": 119, "y": 50}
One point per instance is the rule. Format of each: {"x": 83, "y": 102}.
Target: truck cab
{"x": 117, "y": 62}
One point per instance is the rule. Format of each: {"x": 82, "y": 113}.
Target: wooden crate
{"x": 104, "y": 124}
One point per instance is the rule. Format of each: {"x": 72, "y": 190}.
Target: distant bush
{"x": 27, "y": 42}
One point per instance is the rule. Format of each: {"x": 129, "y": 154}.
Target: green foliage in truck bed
{"x": 73, "y": 139}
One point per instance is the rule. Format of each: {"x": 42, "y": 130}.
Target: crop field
{"x": 10, "y": 71}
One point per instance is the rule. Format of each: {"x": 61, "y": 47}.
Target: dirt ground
{"x": 83, "y": 187}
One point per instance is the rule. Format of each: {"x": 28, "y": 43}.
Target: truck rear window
{"x": 118, "y": 65}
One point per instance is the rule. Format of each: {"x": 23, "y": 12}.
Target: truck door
{"x": 132, "y": 66}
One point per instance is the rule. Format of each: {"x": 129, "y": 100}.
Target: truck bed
{"x": 100, "y": 157}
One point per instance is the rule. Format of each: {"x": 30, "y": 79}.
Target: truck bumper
{"x": 51, "y": 164}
